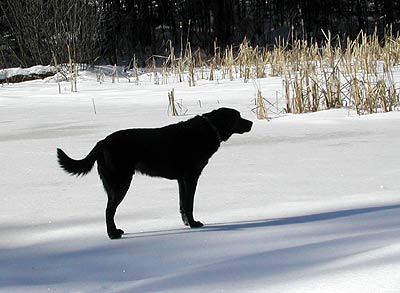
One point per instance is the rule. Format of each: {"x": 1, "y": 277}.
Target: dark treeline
{"x": 112, "y": 31}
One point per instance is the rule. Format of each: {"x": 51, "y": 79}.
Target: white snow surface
{"x": 38, "y": 69}
{"x": 302, "y": 203}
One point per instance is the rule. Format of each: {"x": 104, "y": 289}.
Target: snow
{"x": 34, "y": 70}
{"x": 302, "y": 203}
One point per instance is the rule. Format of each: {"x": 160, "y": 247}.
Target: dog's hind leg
{"x": 116, "y": 186}
{"x": 116, "y": 193}
{"x": 187, "y": 190}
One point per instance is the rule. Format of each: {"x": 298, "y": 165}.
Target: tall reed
{"x": 356, "y": 74}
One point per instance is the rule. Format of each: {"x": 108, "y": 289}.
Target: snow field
{"x": 303, "y": 203}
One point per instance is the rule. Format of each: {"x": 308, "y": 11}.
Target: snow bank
{"x": 24, "y": 74}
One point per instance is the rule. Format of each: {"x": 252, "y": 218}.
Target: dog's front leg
{"x": 187, "y": 190}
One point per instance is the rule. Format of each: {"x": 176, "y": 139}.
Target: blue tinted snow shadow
{"x": 299, "y": 219}
{"x": 230, "y": 226}
{"x": 138, "y": 256}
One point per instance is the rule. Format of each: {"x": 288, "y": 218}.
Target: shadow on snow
{"x": 230, "y": 226}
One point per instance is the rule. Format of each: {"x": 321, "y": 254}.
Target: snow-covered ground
{"x": 303, "y": 203}
{"x": 7, "y": 74}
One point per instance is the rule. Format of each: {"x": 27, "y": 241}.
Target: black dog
{"x": 178, "y": 151}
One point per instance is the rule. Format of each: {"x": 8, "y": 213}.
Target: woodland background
{"x": 113, "y": 31}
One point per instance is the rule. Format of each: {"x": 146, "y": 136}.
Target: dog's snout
{"x": 244, "y": 126}
{"x": 250, "y": 124}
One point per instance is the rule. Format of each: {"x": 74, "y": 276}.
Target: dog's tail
{"x": 79, "y": 167}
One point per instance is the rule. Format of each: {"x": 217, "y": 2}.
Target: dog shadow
{"x": 240, "y": 225}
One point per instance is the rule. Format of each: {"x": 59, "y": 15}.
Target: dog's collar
{"x": 213, "y": 127}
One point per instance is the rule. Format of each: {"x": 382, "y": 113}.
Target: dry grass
{"x": 356, "y": 74}
{"x": 172, "y": 108}
{"x": 260, "y": 109}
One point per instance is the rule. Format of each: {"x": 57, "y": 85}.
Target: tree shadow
{"x": 52, "y": 264}
{"x": 240, "y": 225}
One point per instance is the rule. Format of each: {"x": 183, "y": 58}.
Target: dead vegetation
{"x": 356, "y": 74}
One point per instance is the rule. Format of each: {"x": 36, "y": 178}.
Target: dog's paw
{"x": 117, "y": 234}
{"x": 185, "y": 219}
{"x": 196, "y": 224}
{"x": 189, "y": 221}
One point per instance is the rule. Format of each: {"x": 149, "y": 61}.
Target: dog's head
{"x": 228, "y": 121}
